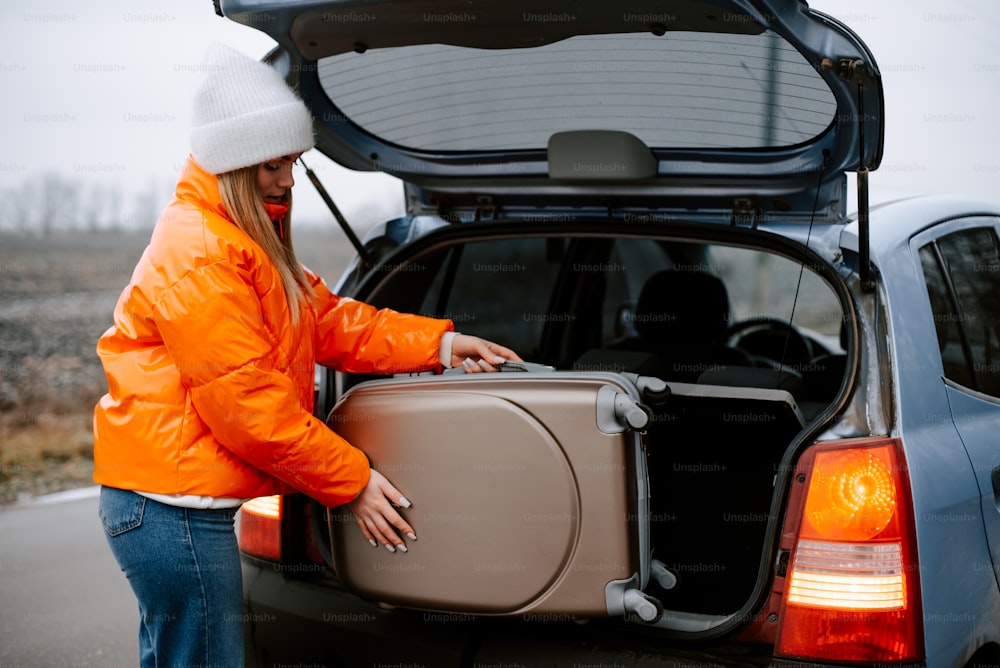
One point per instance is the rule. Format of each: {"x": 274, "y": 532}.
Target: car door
{"x": 962, "y": 271}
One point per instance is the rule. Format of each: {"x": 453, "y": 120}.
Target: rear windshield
{"x": 679, "y": 90}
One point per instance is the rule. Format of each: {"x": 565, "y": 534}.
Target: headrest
{"x": 689, "y": 307}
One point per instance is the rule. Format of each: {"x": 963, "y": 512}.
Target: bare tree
{"x": 44, "y": 204}
{"x": 114, "y": 211}
{"x": 148, "y": 203}
{"x": 91, "y": 211}
{"x": 16, "y": 212}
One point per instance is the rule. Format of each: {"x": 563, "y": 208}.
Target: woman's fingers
{"x": 476, "y": 354}
{"x": 501, "y": 351}
{"x": 377, "y": 517}
{"x": 387, "y": 489}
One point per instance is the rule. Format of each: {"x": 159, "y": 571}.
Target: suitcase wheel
{"x": 643, "y": 606}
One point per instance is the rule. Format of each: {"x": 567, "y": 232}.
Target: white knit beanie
{"x": 245, "y": 114}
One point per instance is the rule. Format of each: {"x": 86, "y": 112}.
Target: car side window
{"x": 499, "y": 289}
{"x": 962, "y": 273}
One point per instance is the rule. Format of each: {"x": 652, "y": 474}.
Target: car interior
{"x": 747, "y": 374}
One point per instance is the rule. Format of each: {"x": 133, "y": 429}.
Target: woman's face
{"x": 274, "y": 178}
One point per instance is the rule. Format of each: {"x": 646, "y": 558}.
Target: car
{"x": 670, "y": 196}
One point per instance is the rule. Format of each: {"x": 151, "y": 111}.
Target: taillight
{"x": 260, "y": 527}
{"x": 851, "y": 590}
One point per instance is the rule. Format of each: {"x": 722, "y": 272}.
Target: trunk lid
{"x": 742, "y": 110}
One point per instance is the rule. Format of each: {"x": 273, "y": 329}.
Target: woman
{"x": 210, "y": 367}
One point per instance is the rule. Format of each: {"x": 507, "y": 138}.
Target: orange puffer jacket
{"x": 211, "y": 387}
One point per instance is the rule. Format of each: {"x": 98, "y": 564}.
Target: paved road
{"x": 63, "y": 600}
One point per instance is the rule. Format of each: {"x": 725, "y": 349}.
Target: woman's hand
{"x": 475, "y": 354}
{"x": 375, "y": 512}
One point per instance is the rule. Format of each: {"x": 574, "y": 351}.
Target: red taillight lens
{"x": 851, "y": 591}
{"x": 852, "y": 494}
{"x": 260, "y": 527}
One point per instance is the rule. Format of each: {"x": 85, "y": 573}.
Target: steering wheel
{"x": 771, "y": 340}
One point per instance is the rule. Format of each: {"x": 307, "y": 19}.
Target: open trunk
{"x": 538, "y": 493}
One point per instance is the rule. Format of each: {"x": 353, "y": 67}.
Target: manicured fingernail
{"x": 401, "y": 548}
{"x": 390, "y": 547}
{"x": 373, "y": 542}
{"x": 404, "y": 502}
{"x": 411, "y": 536}
{"x": 485, "y": 365}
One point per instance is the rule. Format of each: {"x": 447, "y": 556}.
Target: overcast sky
{"x": 102, "y": 94}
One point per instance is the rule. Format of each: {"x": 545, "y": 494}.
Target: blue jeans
{"x": 183, "y": 565}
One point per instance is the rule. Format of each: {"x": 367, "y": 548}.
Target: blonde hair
{"x": 245, "y": 204}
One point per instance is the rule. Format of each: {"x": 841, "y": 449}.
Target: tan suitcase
{"x": 529, "y": 493}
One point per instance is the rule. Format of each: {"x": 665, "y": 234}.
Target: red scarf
{"x": 276, "y": 212}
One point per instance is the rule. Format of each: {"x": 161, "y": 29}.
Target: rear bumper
{"x": 294, "y": 621}
{"x": 297, "y": 621}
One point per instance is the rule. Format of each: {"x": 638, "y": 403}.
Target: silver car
{"x": 658, "y": 193}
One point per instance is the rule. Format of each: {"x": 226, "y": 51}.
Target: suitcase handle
{"x": 511, "y": 365}
{"x": 507, "y": 366}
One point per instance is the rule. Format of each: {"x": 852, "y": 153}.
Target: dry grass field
{"x": 57, "y": 296}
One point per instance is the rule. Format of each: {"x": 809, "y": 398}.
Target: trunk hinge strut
{"x": 853, "y": 69}
{"x": 366, "y": 261}
{"x": 864, "y": 230}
